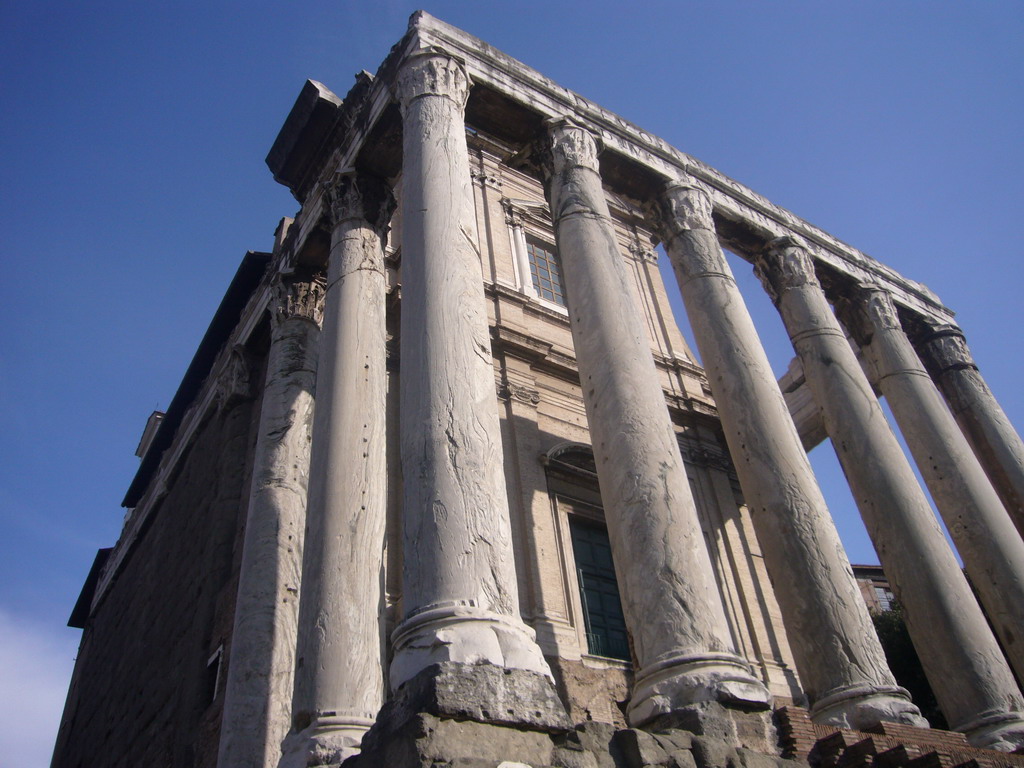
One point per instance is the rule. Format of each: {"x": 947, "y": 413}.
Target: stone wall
{"x": 143, "y": 693}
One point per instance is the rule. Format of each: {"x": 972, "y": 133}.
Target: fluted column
{"x": 960, "y": 656}
{"x": 339, "y": 685}
{"x": 666, "y": 580}
{"x": 257, "y": 696}
{"x": 990, "y": 433}
{"x": 459, "y": 594}
{"x": 989, "y": 544}
{"x": 837, "y": 654}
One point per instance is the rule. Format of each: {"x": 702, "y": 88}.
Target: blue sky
{"x": 132, "y": 158}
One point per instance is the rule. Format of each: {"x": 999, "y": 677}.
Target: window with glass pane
{"x": 602, "y": 609}
{"x": 885, "y": 598}
{"x": 545, "y": 272}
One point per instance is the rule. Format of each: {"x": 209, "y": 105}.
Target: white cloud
{"x": 35, "y": 668}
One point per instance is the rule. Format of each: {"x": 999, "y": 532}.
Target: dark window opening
{"x": 599, "y": 591}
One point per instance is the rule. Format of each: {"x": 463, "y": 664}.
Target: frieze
{"x": 235, "y": 384}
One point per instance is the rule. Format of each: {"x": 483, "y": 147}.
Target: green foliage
{"x": 905, "y": 664}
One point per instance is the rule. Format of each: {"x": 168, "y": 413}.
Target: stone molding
{"x": 432, "y": 71}
{"x": 509, "y": 391}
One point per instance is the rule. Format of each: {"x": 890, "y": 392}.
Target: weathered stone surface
{"x": 833, "y": 642}
{"x": 425, "y": 740}
{"x": 257, "y": 699}
{"x": 986, "y": 539}
{"x": 677, "y": 622}
{"x": 487, "y": 694}
{"x": 960, "y": 656}
{"x": 460, "y": 594}
{"x": 176, "y": 592}
{"x": 983, "y": 421}
{"x": 639, "y": 748}
{"x": 339, "y": 680}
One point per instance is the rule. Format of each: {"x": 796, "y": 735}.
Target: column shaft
{"x": 339, "y": 684}
{"x": 459, "y": 595}
{"x": 257, "y": 697}
{"x": 966, "y": 670}
{"x": 840, "y": 661}
{"x": 983, "y": 422}
{"x": 666, "y": 580}
{"x": 985, "y": 537}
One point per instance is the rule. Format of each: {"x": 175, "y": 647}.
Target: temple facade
{"x": 445, "y": 485}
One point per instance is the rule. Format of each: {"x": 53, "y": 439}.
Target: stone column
{"x": 989, "y": 544}
{"x": 993, "y": 438}
{"x": 837, "y": 654}
{"x": 257, "y": 695}
{"x": 964, "y": 665}
{"x": 459, "y": 595}
{"x": 672, "y": 607}
{"x": 339, "y": 685}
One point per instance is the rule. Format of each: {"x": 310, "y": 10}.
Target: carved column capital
{"x": 569, "y": 145}
{"x": 944, "y": 348}
{"x": 684, "y": 205}
{"x": 866, "y": 309}
{"x": 350, "y": 194}
{"x": 299, "y": 296}
{"x": 785, "y": 262}
{"x": 432, "y": 72}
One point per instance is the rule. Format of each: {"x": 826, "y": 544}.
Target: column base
{"x": 329, "y": 740}
{"x": 462, "y": 633}
{"x": 676, "y": 682}
{"x": 1002, "y": 731}
{"x": 859, "y": 706}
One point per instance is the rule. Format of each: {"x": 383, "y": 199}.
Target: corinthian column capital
{"x": 944, "y": 348}
{"x": 432, "y": 72}
{"x": 866, "y": 309}
{"x": 353, "y": 195}
{"x": 685, "y": 205}
{"x": 785, "y": 263}
{"x": 570, "y": 145}
{"x": 298, "y": 296}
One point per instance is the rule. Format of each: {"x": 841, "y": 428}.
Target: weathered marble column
{"x": 990, "y": 433}
{"x": 459, "y": 594}
{"x": 666, "y": 580}
{"x": 339, "y": 685}
{"x": 964, "y": 665}
{"x": 989, "y": 544}
{"x": 257, "y": 695}
{"x": 837, "y": 654}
